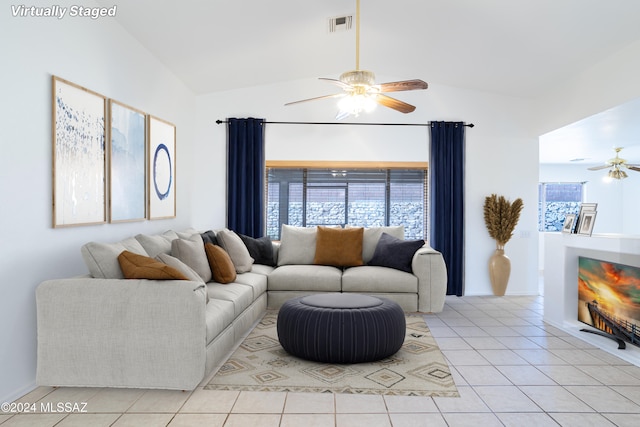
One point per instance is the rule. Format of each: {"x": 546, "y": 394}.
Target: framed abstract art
{"x": 127, "y": 163}
{"x": 79, "y": 155}
{"x": 162, "y": 169}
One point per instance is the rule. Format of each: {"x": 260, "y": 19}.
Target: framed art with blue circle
{"x": 162, "y": 169}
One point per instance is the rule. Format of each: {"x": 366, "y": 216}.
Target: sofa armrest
{"x": 429, "y": 266}
{"x": 121, "y": 333}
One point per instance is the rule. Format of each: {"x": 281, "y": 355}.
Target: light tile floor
{"x": 511, "y": 369}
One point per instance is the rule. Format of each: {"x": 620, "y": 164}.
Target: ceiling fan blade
{"x": 634, "y": 167}
{"x": 597, "y": 168}
{"x": 335, "y": 95}
{"x": 403, "y": 85}
{"x": 397, "y": 105}
{"x": 337, "y": 83}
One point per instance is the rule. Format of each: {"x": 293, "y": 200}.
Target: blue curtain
{"x": 446, "y": 179}
{"x": 245, "y": 176}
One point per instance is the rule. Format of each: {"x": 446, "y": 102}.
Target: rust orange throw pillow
{"x": 136, "y": 266}
{"x": 340, "y": 247}
{"x": 220, "y": 262}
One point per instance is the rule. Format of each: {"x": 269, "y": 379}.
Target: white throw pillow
{"x": 158, "y": 243}
{"x": 192, "y": 253}
{"x": 183, "y": 268}
{"x": 237, "y": 250}
{"x": 298, "y": 245}
{"x": 102, "y": 258}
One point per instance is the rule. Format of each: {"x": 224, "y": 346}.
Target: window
{"x": 306, "y": 197}
{"x": 555, "y": 201}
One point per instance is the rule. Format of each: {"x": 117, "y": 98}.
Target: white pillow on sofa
{"x": 157, "y": 243}
{"x": 102, "y": 258}
{"x": 192, "y": 253}
{"x": 297, "y": 245}
{"x": 183, "y": 268}
{"x": 237, "y": 250}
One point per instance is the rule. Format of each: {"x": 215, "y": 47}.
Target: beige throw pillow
{"x": 298, "y": 245}
{"x": 192, "y": 253}
{"x": 237, "y": 250}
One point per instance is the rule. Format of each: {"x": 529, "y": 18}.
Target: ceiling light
{"x": 354, "y": 104}
{"x": 617, "y": 173}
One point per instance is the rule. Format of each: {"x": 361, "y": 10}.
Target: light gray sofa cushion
{"x": 320, "y": 278}
{"x": 240, "y": 295}
{"x": 192, "y": 253}
{"x": 378, "y": 279}
{"x": 237, "y": 250}
{"x": 219, "y": 314}
{"x": 298, "y": 245}
{"x": 102, "y": 258}
{"x": 256, "y": 281}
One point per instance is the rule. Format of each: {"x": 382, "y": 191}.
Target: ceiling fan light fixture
{"x": 361, "y": 93}
{"x": 358, "y": 78}
{"x": 617, "y": 173}
{"x": 355, "y": 104}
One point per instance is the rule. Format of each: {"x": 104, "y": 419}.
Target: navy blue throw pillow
{"x": 260, "y": 249}
{"x": 395, "y": 253}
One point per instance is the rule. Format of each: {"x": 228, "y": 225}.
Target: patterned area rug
{"x": 261, "y": 364}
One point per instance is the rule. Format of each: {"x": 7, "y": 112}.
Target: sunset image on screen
{"x": 611, "y": 289}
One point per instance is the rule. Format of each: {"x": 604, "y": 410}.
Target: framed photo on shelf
{"x": 569, "y": 223}
{"x": 584, "y": 207}
{"x": 79, "y": 155}
{"x": 587, "y": 220}
{"x": 127, "y": 163}
{"x": 162, "y": 169}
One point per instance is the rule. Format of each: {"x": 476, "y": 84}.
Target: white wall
{"x": 502, "y": 155}
{"x": 98, "y": 55}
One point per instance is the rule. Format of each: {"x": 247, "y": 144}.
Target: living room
{"x": 102, "y": 55}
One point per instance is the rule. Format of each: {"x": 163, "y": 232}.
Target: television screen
{"x": 609, "y": 298}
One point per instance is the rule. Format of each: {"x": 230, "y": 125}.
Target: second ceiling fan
{"x": 361, "y": 93}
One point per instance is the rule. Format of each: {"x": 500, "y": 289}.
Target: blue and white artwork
{"x": 128, "y": 189}
{"x": 162, "y": 169}
{"x": 79, "y": 155}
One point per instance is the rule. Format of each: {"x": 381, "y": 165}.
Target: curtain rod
{"x": 345, "y": 123}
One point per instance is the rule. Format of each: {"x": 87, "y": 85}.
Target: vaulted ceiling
{"x": 513, "y": 47}
{"x": 518, "y": 48}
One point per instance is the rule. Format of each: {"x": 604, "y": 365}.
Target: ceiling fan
{"x": 617, "y": 165}
{"x": 360, "y": 93}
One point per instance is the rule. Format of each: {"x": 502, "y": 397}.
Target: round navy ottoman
{"x": 341, "y": 327}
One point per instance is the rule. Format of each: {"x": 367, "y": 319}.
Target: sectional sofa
{"x": 162, "y": 311}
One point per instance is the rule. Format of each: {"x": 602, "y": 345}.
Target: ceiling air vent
{"x": 340, "y": 23}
